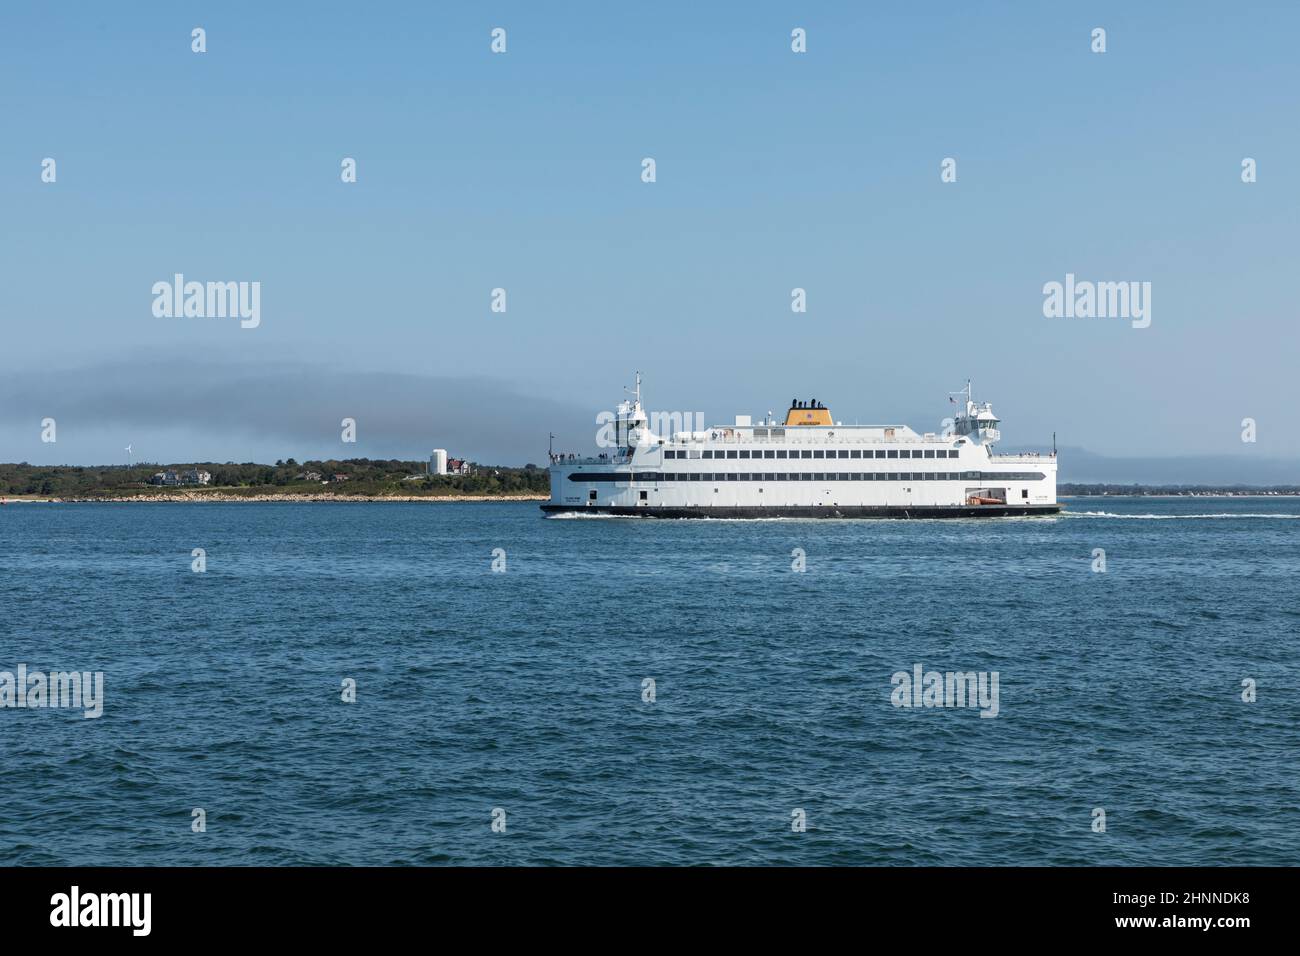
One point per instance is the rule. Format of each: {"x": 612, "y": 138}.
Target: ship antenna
{"x": 637, "y": 390}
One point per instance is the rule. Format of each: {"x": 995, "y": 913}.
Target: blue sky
{"x": 775, "y": 170}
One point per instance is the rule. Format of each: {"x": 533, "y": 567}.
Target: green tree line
{"x": 364, "y": 476}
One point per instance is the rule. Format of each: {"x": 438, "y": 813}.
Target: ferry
{"x": 808, "y": 466}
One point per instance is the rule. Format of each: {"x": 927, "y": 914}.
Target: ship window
{"x": 644, "y": 495}
{"x": 820, "y": 454}
{"x": 769, "y": 453}
{"x": 708, "y": 454}
{"x": 591, "y": 495}
{"x": 778, "y": 433}
{"x": 904, "y": 454}
{"x": 929, "y": 453}
{"x": 1024, "y": 492}
{"x": 856, "y": 453}
{"x": 845, "y": 476}
{"x": 731, "y": 476}
{"x": 880, "y": 453}
{"x": 780, "y": 453}
{"x": 893, "y": 453}
{"x": 744, "y": 453}
{"x": 844, "y": 453}
{"x": 805, "y": 453}
{"x": 731, "y": 453}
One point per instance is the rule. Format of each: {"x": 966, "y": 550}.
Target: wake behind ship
{"x": 810, "y": 466}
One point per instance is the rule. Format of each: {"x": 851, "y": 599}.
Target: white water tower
{"x": 438, "y": 462}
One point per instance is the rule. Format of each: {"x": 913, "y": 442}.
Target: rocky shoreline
{"x": 198, "y": 496}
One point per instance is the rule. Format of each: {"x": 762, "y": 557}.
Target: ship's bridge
{"x": 976, "y": 420}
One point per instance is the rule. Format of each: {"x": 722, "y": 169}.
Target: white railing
{"x": 1025, "y": 457}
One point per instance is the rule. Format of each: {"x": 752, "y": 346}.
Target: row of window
{"x": 815, "y": 453}
{"x": 660, "y": 476}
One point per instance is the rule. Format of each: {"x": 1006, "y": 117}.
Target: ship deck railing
{"x": 591, "y": 460}
{"x": 1028, "y": 457}
{"x": 1025, "y": 457}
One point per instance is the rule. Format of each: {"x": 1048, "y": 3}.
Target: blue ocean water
{"x": 523, "y": 690}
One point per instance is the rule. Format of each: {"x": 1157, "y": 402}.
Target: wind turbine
{"x": 128, "y": 456}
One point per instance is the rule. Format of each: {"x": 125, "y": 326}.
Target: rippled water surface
{"x": 523, "y": 690}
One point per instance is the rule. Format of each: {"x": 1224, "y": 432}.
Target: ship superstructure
{"x": 808, "y": 465}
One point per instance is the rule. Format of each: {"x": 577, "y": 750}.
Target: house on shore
{"x": 171, "y": 478}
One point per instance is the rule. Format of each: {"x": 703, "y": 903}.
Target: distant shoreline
{"x": 200, "y": 497}
{"x": 1196, "y": 494}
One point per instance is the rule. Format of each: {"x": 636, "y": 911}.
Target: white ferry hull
{"x": 809, "y": 467}
{"x": 800, "y": 511}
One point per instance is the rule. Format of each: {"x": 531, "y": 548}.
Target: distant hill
{"x": 1080, "y": 466}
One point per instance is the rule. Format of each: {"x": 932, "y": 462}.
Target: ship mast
{"x": 967, "y": 392}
